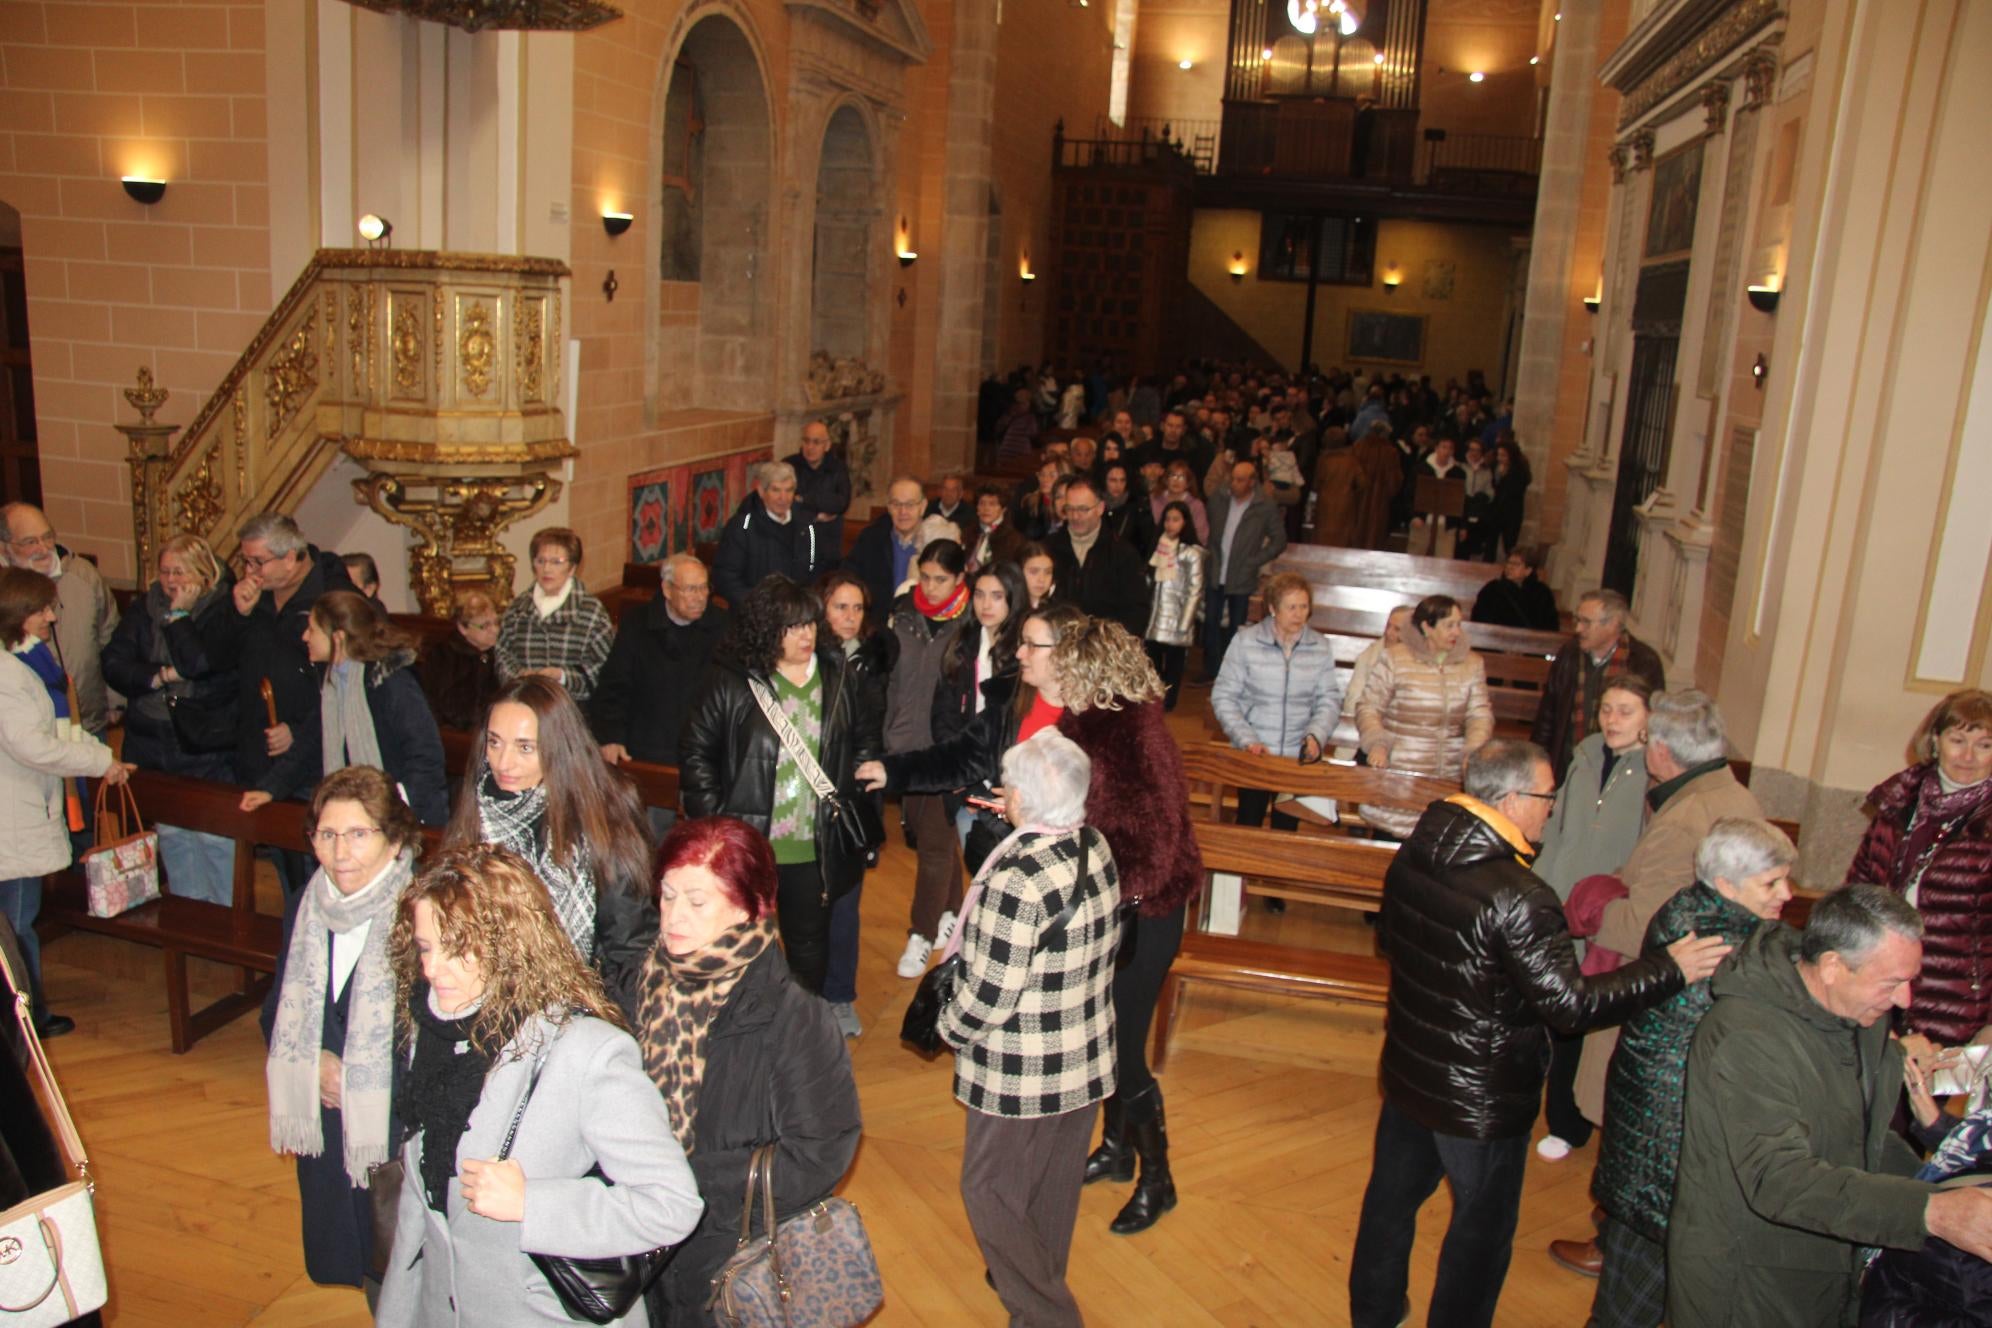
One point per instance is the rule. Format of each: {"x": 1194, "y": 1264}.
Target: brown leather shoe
{"x": 1579, "y": 1256}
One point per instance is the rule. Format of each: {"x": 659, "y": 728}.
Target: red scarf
{"x": 947, "y": 610}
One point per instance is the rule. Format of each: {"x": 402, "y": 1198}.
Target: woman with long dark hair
{"x": 1176, "y": 573}
{"x": 1511, "y": 489}
{"x": 536, "y": 784}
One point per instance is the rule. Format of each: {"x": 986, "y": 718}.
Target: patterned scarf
{"x": 682, "y": 996}
{"x": 1584, "y": 701}
{"x": 518, "y": 821}
{"x": 1933, "y": 818}
{"x": 297, "y": 1035}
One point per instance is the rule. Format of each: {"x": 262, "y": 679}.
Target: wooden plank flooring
{"x": 1271, "y": 1109}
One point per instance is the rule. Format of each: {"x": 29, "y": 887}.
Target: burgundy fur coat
{"x": 1140, "y": 800}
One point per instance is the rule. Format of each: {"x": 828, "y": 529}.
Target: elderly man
{"x": 86, "y": 614}
{"x": 884, "y": 552}
{"x": 1788, "y": 1162}
{"x": 1247, "y": 531}
{"x": 948, "y": 504}
{"x": 767, "y": 536}
{"x": 1481, "y": 969}
{"x": 1106, "y": 578}
{"x": 822, "y": 480}
{"x": 1568, "y": 711}
{"x": 653, "y": 670}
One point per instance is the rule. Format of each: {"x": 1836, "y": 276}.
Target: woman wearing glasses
{"x": 332, "y": 1035}
{"x": 556, "y": 629}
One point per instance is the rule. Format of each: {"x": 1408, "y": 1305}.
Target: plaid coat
{"x": 1032, "y": 1023}
{"x": 575, "y": 638}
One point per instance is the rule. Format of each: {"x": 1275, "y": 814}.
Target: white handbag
{"x": 51, "y": 1266}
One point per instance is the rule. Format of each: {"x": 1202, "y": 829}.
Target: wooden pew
{"x": 1409, "y": 576}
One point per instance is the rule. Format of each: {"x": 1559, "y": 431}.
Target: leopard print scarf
{"x": 682, "y": 996}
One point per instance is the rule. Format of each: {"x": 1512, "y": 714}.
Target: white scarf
{"x": 547, "y": 605}
{"x": 982, "y": 875}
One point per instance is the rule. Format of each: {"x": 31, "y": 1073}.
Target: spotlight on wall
{"x": 143, "y": 189}
{"x": 1238, "y": 266}
{"x": 1266, "y": 54}
{"x": 615, "y": 223}
{"x": 1476, "y": 77}
{"x": 1535, "y": 59}
{"x": 1764, "y": 299}
{"x": 1760, "y": 371}
{"x": 1377, "y": 58}
{"x": 376, "y": 231}
{"x": 1392, "y": 278}
{"x": 1024, "y": 273}
{"x": 904, "y": 251}
{"x": 1185, "y": 64}
{"x": 1591, "y": 303}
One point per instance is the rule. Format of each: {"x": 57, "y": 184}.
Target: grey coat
{"x": 1172, "y": 614}
{"x": 1261, "y": 538}
{"x": 1265, "y": 695}
{"x": 594, "y": 1105}
{"x": 1596, "y": 821}
{"x": 86, "y": 620}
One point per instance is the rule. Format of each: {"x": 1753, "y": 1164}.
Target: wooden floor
{"x": 1271, "y": 1108}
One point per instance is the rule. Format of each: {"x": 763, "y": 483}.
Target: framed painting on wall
{"x": 1670, "y": 215}
{"x": 673, "y": 509}
{"x": 1378, "y": 336}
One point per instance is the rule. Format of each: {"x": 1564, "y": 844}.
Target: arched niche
{"x": 715, "y": 163}
{"x": 847, "y": 191}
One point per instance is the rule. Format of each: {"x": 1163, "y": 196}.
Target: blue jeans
{"x": 840, "y": 978}
{"x": 20, "y": 901}
{"x": 1409, "y": 1163}
{"x": 1217, "y": 631}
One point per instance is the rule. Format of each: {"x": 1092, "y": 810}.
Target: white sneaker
{"x": 914, "y": 962}
{"x": 945, "y": 930}
{"x": 1552, "y": 1149}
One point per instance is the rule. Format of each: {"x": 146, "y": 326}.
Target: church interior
{"x": 431, "y": 275}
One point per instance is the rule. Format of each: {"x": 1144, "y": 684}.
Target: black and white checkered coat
{"x": 1033, "y": 1021}
{"x": 575, "y": 638}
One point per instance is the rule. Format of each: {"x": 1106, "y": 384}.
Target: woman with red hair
{"x": 742, "y": 1054}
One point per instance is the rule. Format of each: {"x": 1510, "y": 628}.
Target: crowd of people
{"x": 574, "y": 1027}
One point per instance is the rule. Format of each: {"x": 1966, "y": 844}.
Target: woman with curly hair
{"x": 1092, "y": 680}
{"x": 533, "y": 1127}
{"x": 733, "y": 761}
{"x": 536, "y": 784}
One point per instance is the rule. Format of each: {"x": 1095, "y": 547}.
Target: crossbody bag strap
{"x": 792, "y": 742}
{"x": 512, "y": 1132}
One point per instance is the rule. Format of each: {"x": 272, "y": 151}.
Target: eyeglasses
{"x": 1525, "y": 793}
{"x": 906, "y": 505}
{"x": 258, "y": 564}
{"x": 356, "y": 838}
{"x": 1022, "y": 646}
{"x": 45, "y": 540}
{"x": 550, "y": 562}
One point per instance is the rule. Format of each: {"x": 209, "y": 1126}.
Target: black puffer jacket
{"x": 1481, "y": 967}
{"x": 728, "y": 753}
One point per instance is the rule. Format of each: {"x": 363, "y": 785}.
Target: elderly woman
{"x": 1425, "y": 707}
{"x": 769, "y": 677}
{"x": 532, "y": 1126}
{"x": 180, "y": 702}
{"x": 41, "y": 750}
{"x": 460, "y": 676}
{"x": 556, "y": 629}
{"x": 1277, "y": 693}
{"x": 1032, "y": 1026}
{"x": 332, "y": 1031}
{"x": 741, "y": 1055}
{"x": 1742, "y": 882}
{"x": 1931, "y": 842}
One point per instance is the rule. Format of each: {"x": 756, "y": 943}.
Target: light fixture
{"x": 376, "y": 231}
{"x": 1392, "y": 278}
{"x": 1350, "y": 22}
{"x": 1535, "y": 59}
{"x": 1591, "y": 303}
{"x": 1301, "y": 14}
{"x": 1559, "y": 16}
{"x": 1378, "y": 57}
{"x": 1024, "y": 272}
{"x": 1184, "y": 64}
{"x": 904, "y": 250}
{"x": 615, "y": 223}
{"x": 1476, "y": 77}
{"x": 1764, "y": 299}
{"x": 1760, "y": 371}
{"x": 144, "y": 189}
{"x": 1238, "y": 266}
{"x": 1266, "y": 54}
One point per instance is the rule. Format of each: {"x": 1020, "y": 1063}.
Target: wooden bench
{"x": 1408, "y": 576}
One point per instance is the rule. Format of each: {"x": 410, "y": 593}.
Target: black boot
{"x": 1113, "y": 1159}
{"x": 1155, "y": 1193}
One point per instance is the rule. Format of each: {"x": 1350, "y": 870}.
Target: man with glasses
{"x": 1568, "y": 710}
{"x": 882, "y": 555}
{"x": 1105, "y": 577}
{"x": 86, "y": 612}
{"x": 1481, "y": 968}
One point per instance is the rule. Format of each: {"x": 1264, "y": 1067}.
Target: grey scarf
{"x": 347, "y": 719}
{"x": 518, "y": 822}
{"x": 297, "y": 1037}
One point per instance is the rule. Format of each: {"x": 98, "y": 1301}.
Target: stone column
{"x": 966, "y": 172}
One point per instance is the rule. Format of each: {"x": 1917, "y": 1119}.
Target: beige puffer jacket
{"x": 1429, "y": 712}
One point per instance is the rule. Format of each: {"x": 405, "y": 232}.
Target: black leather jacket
{"x": 1481, "y": 968}
{"x": 728, "y": 753}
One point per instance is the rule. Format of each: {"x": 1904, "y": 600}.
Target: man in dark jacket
{"x": 1568, "y": 711}
{"x": 882, "y": 555}
{"x": 822, "y": 480}
{"x": 768, "y": 535}
{"x": 1481, "y": 968}
{"x": 1788, "y": 1162}
{"x": 1103, "y": 576}
{"x": 1247, "y": 531}
{"x": 646, "y": 688}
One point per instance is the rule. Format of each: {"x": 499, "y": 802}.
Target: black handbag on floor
{"x": 595, "y": 1290}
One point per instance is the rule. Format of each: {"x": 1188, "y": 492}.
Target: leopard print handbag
{"x": 815, "y": 1270}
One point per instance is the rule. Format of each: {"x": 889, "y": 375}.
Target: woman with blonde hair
{"x": 180, "y": 701}
{"x": 532, "y": 1126}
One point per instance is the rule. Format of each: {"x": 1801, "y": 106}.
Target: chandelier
{"x": 1306, "y": 16}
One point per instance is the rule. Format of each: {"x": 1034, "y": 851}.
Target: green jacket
{"x": 1634, "y": 1180}
{"x": 1788, "y": 1164}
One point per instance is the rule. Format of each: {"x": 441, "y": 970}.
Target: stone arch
{"x": 712, "y": 189}
{"x": 843, "y": 267}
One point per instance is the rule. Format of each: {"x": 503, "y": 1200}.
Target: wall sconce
{"x": 615, "y": 223}
{"x": 143, "y": 189}
{"x": 1378, "y": 58}
{"x": 1024, "y": 272}
{"x": 1760, "y": 371}
{"x": 1185, "y": 64}
{"x": 1591, "y": 303}
{"x": 1027, "y": 275}
{"x": 1392, "y": 278}
{"x": 1266, "y": 54}
{"x": 905, "y": 251}
{"x": 1476, "y": 77}
{"x": 376, "y": 231}
{"x": 1764, "y": 299}
{"x": 1238, "y": 266}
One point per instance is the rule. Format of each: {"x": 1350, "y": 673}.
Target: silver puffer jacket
{"x": 1172, "y": 619}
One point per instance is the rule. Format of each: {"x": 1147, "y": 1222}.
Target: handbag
{"x": 123, "y": 873}
{"x": 201, "y": 729}
{"x": 384, "y": 1198}
{"x": 855, "y": 822}
{"x": 816, "y": 1270}
{"x": 51, "y": 1265}
{"x": 596, "y": 1290}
